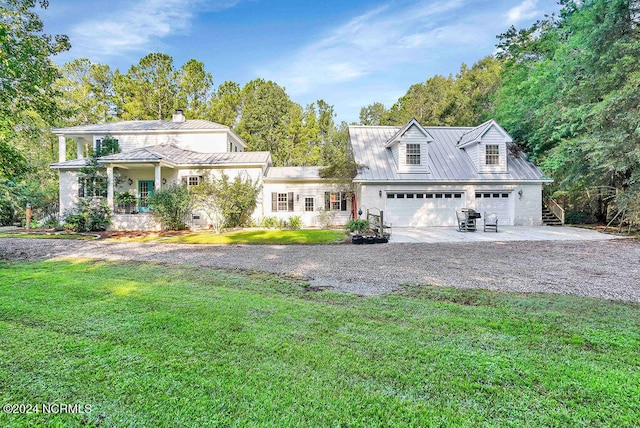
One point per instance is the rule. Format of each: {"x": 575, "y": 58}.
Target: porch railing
{"x": 126, "y": 208}
{"x": 553, "y": 206}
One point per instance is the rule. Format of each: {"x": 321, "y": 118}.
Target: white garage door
{"x": 496, "y": 202}
{"x": 421, "y": 209}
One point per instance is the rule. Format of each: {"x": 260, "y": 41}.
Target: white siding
{"x": 528, "y": 207}
{"x": 412, "y": 136}
{"x": 300, "y": 192}
{"x": 142, "y": 221}
{"x": 396, "y": 157}
{"x": 68, "y": 190}
{"x": 492, "y": 137}
{"x": 483, "y": 167}
{"x": 472, "y": 151}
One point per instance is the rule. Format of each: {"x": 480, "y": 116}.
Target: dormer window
{"x": 413, "y": 154}
{"x": 492, "y": 154}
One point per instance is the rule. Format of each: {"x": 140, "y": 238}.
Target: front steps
{"x": 548, "y": 218}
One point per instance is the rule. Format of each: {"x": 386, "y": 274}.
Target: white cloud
{"x": 525, "y": 10}
{"x": 380, "y": 39}
{"x": 135, "y": 26}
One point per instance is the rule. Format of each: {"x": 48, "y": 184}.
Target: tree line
{"x": 567, "y": 90}
{"x": 261, "y": 111}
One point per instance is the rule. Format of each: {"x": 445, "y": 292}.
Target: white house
{"x": 155, "y": 153}
{"x": 417, "y": 175}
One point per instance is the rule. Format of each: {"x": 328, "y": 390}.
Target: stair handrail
{"x": 556, "y": 209}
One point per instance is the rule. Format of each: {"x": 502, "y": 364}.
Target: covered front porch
{"x": 129, "y": 186}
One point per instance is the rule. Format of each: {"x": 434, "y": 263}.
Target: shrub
{"x": 89, "y": 214}
{"x": 228, "y": 203}
{"x": 51, "y": 222}
{"x": 358, "y": 225}
{"x": 269, "y": 222}
{"x": 125, "y": 198}
{"x": 326, "y": 218}
{"x": 295, "y": 222}
{"x": 282, "y": 223}
{"x": 170, "y": 206}
{"x": 578, "y": 217}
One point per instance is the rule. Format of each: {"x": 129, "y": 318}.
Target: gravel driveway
{"x": 604, "y": 269}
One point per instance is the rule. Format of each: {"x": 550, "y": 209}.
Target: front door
{"x": 145, "y": 189}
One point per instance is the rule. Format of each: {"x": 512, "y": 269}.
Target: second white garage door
{"x": 500, "y": 203}
{"x": 421, "y": 209}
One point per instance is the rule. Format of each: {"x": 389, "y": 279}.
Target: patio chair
{"x": 491, "y": 222}
{"x": 463, "y": 224}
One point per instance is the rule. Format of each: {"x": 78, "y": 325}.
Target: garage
{"x": 496, "y": 202}
{"x": 422, "y": 209}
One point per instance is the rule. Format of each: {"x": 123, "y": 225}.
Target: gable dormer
{"x": 486, "y": 145}
{"x": 410, "y": 148}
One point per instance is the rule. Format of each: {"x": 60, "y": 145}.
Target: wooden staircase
{"x": 549, "y": 218}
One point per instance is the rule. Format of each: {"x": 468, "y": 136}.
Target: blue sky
{"x": 350, "y": 53}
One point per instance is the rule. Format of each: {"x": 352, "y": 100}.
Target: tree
{"x": 265, "y": 118}
{"x": 225, "y": 104}
{"x": 372, "y": 114}
{"x": 149, "y": 90}
{"x": 194, "y": 91}
{"x": 26, "y": 79}
{"x": 227, "y": 203}
{"x": 463, "y": 100}
{"x": 570, "y": 94}
{"x": 86, "y": 92}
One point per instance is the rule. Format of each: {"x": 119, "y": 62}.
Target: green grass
{"x": 270, "y": 237}
{"x": 46, "y": 235}
{"x": 163, "y": 345}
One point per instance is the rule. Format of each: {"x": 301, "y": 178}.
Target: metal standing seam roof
{"x": 293, "y": 173}
{"x": 177, "y": 157}
{"x": 142, "y": 126}
{"x": 446, "y": 162}
{"x": 474, "y": 134}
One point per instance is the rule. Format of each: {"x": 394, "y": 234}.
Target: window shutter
{"x": 290, "y": 200}
{"x": 327, "y": 201}
{"x": 184, "y": 181}
{"x": 343, "y": 202}
{"x": 81, "y": 187}
{"x": 274, "y": 201}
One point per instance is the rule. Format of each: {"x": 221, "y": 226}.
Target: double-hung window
{"x": 492, "y": 154}
{"x": 335, "y": 201}
{"x": 281, "y": 201}
{"x": 191, "y": 180}
{"x": 413, "y": 154}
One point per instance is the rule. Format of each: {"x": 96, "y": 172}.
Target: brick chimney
{"x": 178, "y": 116}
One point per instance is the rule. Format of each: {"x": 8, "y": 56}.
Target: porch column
{"x": 110, "y": 187}
{"x": 80, "y": 146}
{"x": 158, "y": 177}
{"x": 62, "y": 148}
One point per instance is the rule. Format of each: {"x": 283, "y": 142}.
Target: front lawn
{"x": 266, "y": 236}
{"x": 164, "y": 345}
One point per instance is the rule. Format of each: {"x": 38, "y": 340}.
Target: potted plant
{"x": 126, "y": 201}
{"x": 357, "y": 227}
